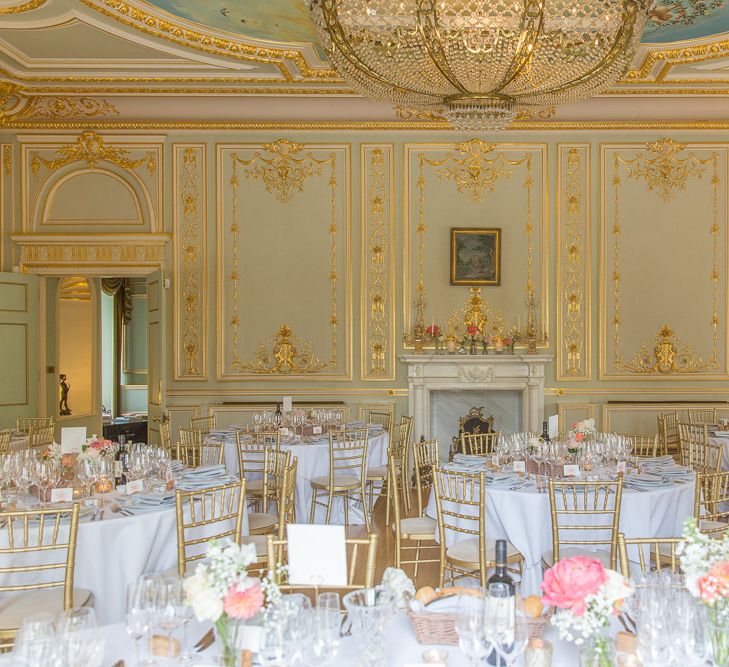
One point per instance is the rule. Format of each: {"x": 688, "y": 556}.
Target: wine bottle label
{"x": 501, "y": 615}
{"x": 117, "y": 468}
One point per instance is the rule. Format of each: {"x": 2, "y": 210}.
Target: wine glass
{"x": 35, "y": 642}
{"x": 511, "y": 643}
{"x": 273, "y": 649}
{"x": 77, "y": 639}
{"x": 139, "y": 612}
{"x": 470, "y": 629}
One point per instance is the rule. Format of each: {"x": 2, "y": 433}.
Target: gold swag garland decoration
{"x": 283, "y": 175}
{"x": 665, "y": 173}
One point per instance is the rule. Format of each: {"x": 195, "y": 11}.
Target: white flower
{"x": 616, "y": 587}
{"x": 397, "y": 582}
{"x": 205, "y": 602}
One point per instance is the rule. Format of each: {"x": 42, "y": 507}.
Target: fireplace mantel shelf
{"x": 469, "y": 372}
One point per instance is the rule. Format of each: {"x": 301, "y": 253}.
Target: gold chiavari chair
{"x": 285, "y": 500}
{"x": 37, "y": 559}
{"x": 384, "y": 419}
{"x": 480, "y": 444}
{"x": 194, "y": 452}
{"x": 584, "y": 515}
{"x": 668, "y": 433}
{"x": 702, "y": 416}
{"x": 277, "y": 560}
{"x": 165, "y": 437}
{"x": 204, "y": 424}
{"x": 460, "y": 499}
{"x": 252, "y": 448}
{"x": 417, "y": 530}
{"x": 711, "y": 502}
{"x": 274, "y": 465}
{"x": 347, "y": 473}
{"x": 644, "y": 446}
{"x": 688, "y": 435}
{"x": 406, "y": 419}
{"x": 706, "y": 457}
{"x": 426, "y": 456}
{"x": 655, "y": 554}
{"x": 5, "y": 437}
{"x": 24, "y": 424}
{"x": 40, "y": 436}
{"x": 218, "y": 506}
{"x": 381, "y": 474}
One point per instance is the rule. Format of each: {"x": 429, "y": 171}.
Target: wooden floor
{"x": 427, "y": 573}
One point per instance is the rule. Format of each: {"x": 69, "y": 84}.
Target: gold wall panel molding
{"x": 475, "y": 168}
{"x": 377, "y": 303}
{"x": 22, "y": 7}
{"x": 284, "y": 168}
{"x": 6, "y": 202}
{"x": 276, "y": 392}
{"x": 665, "y": 166}
{"x": 90, "y": 254}
{"x": 574, "y": 344}
{"x": 633, "y": 391}
{"x": 563, "y": 410}
{"x": 7, "y": 159}
{"x": 610, "y": 411}
{"x": 158, "y": 24}
{"x": 190, "y": 257}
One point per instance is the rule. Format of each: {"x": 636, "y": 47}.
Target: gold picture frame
{"x": 475, "y": 256}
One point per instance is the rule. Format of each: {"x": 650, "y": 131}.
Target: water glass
{"x": 470, "y": 627}
{"x": 368, "y": 610}
{"x": 139, "y": 612}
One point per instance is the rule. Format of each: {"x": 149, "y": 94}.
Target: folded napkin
{"x": 720, "y": 434}
{"x": 204, "y": 482}
{"x": 503, "y": 479}
{"x": 140, "y": 503}
{"x": 471, "y": 459}
{"x": 205, "y": 471}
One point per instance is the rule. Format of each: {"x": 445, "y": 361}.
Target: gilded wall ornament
{"x": 286, "y": 357}
{"x": 92, "y": 149}
{"x": 8, "y": 159}
{"x": 667, "y": 355}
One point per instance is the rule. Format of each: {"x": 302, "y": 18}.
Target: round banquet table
{"x": 523, "y": 518}
{"x": 118, "y": 549}
{"x": 313, "y": 461}
{"x": 722, "y": 440}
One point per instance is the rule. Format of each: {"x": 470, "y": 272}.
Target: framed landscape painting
{"x": 475, "y": 256}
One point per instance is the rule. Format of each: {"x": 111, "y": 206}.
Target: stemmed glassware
{"x": 322, "y": 643}
{"x": 471, "y": 629}
{"x": 139, "y": 612}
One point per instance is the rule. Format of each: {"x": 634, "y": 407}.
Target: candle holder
{"x": 418, "y": 335}
{"x": 531, "y": 333}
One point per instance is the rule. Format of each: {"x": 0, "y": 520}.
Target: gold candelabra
{"x": 418, "y": 335}
{"x": 530, "y": 333}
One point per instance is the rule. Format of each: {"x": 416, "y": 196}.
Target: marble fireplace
{"x": 442, "y": 388}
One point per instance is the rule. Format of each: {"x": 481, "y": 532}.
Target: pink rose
{"x": 570, "y": 581}
{"x": 714, "y": 585}
{"x": 579, "y": 436}
{"x": 243, "y": 603}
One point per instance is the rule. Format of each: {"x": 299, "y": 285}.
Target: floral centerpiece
{"x": 580, "y": 432}
{"x": 585, "y": 594}
{"x": 98, "y": 447}
{"x": 221, "y": 591}
{"x": 705, "y": 563}
{"x": 436, "y": 335}
{"x": 51, "y": 453}
{"x": 399, "y": 585}
{"x": 473, "y": 333}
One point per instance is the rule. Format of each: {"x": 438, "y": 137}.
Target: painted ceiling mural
{"x": 288, "y": 20}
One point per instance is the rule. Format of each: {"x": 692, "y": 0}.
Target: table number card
{"x": 288, "y": 405}
{"x": 317, "y": 555}
{"x": 284, "y": 432}
{"x": 73, "y": 438}
{"x": 621, "y": 467}
{"x": 135, "y": 486}
{"x": 572, "y": 471}
{"x": 495, "y": 460}
{"x": 553, "y": 426}
{"x": 520, "y": 466}
{"x": 61, "y": 495}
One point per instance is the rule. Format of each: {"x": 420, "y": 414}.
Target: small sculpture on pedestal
{"x": 63, "y": 408}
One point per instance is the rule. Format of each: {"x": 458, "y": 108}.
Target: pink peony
{"x": 570, "y": 581}
{"x": 243, "y": 603}
{"x": 714, "y": 585}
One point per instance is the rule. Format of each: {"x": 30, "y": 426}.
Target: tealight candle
{"x": 538, "y": 653}
{"x": 435, "y": 656}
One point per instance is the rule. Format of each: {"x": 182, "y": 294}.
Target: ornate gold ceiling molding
{"x": 156, "y": 25}
{"x": 23, "y": 7}
{"x": 16, "y": 104}
{"x": 671, "y": 57}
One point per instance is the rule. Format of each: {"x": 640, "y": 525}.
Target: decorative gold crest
{"x": 285, "y": 357}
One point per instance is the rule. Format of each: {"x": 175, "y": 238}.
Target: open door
{"x": 20, "y": 379}
{"x": 156, "y": 351}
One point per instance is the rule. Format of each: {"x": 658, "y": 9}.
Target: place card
{"x": 520, "y": 466}
{"x": 317, "y": 555}
{"x": 287, "y": 404}
{"x": 64, "y": 495}
{"x": 495, "y": 460}
{"x": 316, "y": 430}
{"x": 572, "y": 470}
{"x": 73, "y": 438}
{"x": 284, "y": 431}
{"x": 621, "y": 467}
{"x": 553, "y": 426}
{"x": 135, "y": 486}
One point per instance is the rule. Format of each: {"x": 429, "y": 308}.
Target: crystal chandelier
{"x": 478, "y": 62}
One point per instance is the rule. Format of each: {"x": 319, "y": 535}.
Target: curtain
{"x": 119, "y": 288}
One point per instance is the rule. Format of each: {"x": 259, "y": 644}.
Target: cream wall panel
{"x": 14, "y": 343}
{"x": 475, "y": 184}
{"x": 574, "y": 263}
{"x": 643, "y": 417}
{"x": 180, "y": 418}
{"x": 284, "y": 275}
{"x": 569, "y": 413}
{"x": 190, "y": 261}
{"x": 377, "y": 262}
{"x": 663, "y": 280}
{"x": 13, "y": 297}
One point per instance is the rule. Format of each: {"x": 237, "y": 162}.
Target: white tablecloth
{"x": 117, "y": 550}
{"x": 313, "y": 461}
{"x": 523, "y": 518}
{"x": 402, "y": 647}
{"x": 724, "y": 442}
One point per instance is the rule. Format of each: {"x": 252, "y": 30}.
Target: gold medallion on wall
{"x": 664, "y": 260}
{"x": 284, "y": 274}
{"x": 190, "y": 257}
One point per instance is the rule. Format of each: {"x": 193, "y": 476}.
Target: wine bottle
{"x": 545, "y": 432}
{"x": 500, "y": 605}
{"x": 121, "y": 462}
{"x": 278, "y": 416}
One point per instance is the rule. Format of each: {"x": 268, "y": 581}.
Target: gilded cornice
{"x": 24, "y": 7}
{"x": 683, "y": 55}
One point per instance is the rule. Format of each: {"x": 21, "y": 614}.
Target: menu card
{"x": 317, "y": 555}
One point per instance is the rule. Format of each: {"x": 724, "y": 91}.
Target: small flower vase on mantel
{"x": 472, "y": 346}
{"x": 451, "y": 344}
{"x": 598, "y": 651}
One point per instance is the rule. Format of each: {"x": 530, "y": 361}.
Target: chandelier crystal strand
{"x": 479, "y": 62}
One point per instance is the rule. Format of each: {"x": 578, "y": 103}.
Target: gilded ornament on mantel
{"x": 667, "y": 355}
{"x": 285, "y": 357}
{"x": 91, "y": 148}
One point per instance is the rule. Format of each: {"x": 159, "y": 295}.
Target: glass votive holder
{"x": 435, "y": 656}
{"x": 538, "y": 653}
{"x": 104, "y": 485}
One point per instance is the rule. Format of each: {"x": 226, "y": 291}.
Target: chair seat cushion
{"x": 569, "y": 552}
{"x": 258, "y": 541}
{"x": 466, "y": 552}
{"x": 254, "y": 486}
{"x": 710, "y": 526}
{"x": 340, "y": 482}
{"x": 378, "y": 472}
{"x": 417, "y": 527}
{"x": 13, "y": 610}
{"x": 258, "y": 521}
